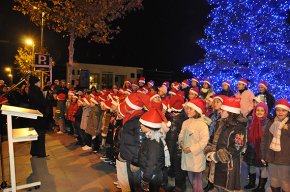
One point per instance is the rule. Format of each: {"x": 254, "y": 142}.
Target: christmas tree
{"x": 247, "y": 39}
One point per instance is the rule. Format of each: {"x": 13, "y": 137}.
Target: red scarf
{"x": 255, "y": 133}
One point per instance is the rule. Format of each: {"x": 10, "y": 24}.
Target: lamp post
{"x": 30, "y": 42}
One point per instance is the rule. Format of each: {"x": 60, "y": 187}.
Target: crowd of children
{"x": 180, "y": 129}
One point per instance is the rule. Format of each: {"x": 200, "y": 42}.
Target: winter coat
{"x": 72, "y": 110}
{"x": 67, "y": 104}
{"x": 232, "y": 138}
{"x": 131, "y": 140}
{"x": 93, "y": 120}
{"x": 105, "y": 123}
{"x": 246, "y": 103}
{"x": 194, "y": 134}
{"x": 85, "y": 117}
{"x": 250, "y": 154}
{"x": 205, "y": 95}
{"x": 228, "y": 93}
{"x": 151, "y": 158}
{"x": 276, "y": 157}
{"x": 78, "y": 115}
{"x": 186, "y": 92}
{"x": 60, "y": 109}
{"x": 36, "y": 99}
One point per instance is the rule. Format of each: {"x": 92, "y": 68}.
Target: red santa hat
{"x": 180, "y": 93}
{"x": 151, "y": 82}
{"x": 86, "y": 100}
{"x": 152, "y": 95}
{"x": 185, "y": 82}
{"x": 128, "y": 91}
{"x": 142, "y": 80}
{"x": 61, "y": 96}
{"x": 199, "y": 105}
{"x": 135, "y": 84}
{"x": 173, "y": 91}
{"x": 243, "y": 81}
{"x": 163, "y": 88}
{"x": 121, "y": 90}
{"x": 122, "y": 109}
{"x": 220, "y": 97}
{"x": 153, "y": 119}
{"x": 283, "y": 103}
{"x": 175, "y": 85}
{"x": 166, "y": 84}
{"x": 206, "y": 81}
{"x": 145, "y": 89}
{"x": 103, "y": 97}
{"x": 264, "y": 84}
{"x": 175, "y": 103}
{"x": 226, "y": 83}
{"x": 94, "y": 99}
{"x": 75, "y": 96}
{"x": 71, "y": 93}
{"x": 107, "y": 104}
{"x": 134, "y": 101}
{"x": 3, "y": 100}
{"x": 194, "y": 90}
{"x": 232, "y": 105}
{"x": 127, "y": 81}
{"x": 195, "y": 79}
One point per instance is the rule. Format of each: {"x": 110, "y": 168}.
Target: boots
{"x": 209, "y": 187}
{"x": 252, "y": 181}
{"x": 261, "y": 186}
{"x": 276, "y": 189}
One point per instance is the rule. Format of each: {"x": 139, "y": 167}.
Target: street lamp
{"x": 30, "y": 42}
{"x": 9, "y": 70}
{"x": 11, "y": 78}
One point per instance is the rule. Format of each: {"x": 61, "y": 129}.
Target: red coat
{"x": 72, "y": 111}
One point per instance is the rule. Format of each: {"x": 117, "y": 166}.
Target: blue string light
{"x": 247, "y": 39}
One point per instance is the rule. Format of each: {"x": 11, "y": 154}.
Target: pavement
{"x": 68, "y": 168}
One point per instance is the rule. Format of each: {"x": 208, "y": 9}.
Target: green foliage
{"x": 23, "y": 60}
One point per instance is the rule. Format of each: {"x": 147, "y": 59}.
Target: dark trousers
{"x": 38, "y": 146}
{"x": 86, "y": 138}
{"x": 155, "y": 183}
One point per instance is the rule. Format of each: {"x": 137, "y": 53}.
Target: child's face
{"x": 217, "y": 104}
{"x": 262, "y": 89}
{"x": 193, "y": 83}
{"x": 241, "y": 86}
{"x": 205, "y": 85}
{"x": 74, "y": 99}
{"x": 183, "y": 86}
{"x": 156, "y": 99}
{"x": 260, "y": 112}
{"x": 144, "y": 129}
{"x": 225, "y": 86}
{"x": 281, "y": 113}
{"x": 191, "y": 96}
{"x": 190, "y": 111}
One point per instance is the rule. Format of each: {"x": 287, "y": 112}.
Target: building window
{"x": 132, "y": 75}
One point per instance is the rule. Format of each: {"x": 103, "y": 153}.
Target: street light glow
{"x": 29, "y": 42}
{"x": 8, "y": 69}
{"x": 10, "y": 75}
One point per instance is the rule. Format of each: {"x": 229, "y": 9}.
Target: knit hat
{"x": 283, "y": 103}
{"x": 185, "y": 82}
{"x": 206, "y": 81}
{"x": 243, "y": 81}
{"x": 195, "y": 79}
{"x": 175, "y": 103}
{"x": 142, "y": 80}
{"x": 163, "y": 88}
{"x": 134, "y": 102}
{"x": 227, "y": 83}
{"x": 33, "y": 79}
{"x": 232, "y": 105}
{"x": 198, "y": 105}
{"x": 3, "y": 100}
{"x": 264, "y": 84}
{"x": 61, "y": 96}
{"x": 194, "y": 90}
{"x": 151, "y": 82}
{"x": 107, "y": 104}
{"x": 153, "y": 119}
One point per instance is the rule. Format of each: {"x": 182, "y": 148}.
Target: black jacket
{"x": 176, "y": 124}
{"x": 270, "y": 100}
{"x": 79, "y": 114}
{"x": 151, "y": 158}
{"x": 131, "y": 140}
{"x": 36, "y": 99}
{"x": 228, "y": 93}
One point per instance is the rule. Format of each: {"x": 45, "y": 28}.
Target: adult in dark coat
{"x": 36, "y": 101}
{"x": 266, "y": 96}
{"x": 226, "y": 89}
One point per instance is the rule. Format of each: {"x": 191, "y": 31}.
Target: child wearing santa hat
{"x": 87, "y": 139}
{"x": 60, "y": 113}
{"x": 153, "y": 155}
{"x": 226, "y": 89}
{"x": 193, "y": 138}
{"x": 275, "y": 147}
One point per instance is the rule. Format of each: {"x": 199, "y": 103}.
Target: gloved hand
{"x": 144, "y": 185}
{"x": 223, "y": 155}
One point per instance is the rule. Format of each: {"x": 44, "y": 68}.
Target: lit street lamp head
{"x": 8, "y": 69}
{"x": 29, "y": 42}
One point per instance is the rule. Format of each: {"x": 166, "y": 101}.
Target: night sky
{"x": 162, "y": 36}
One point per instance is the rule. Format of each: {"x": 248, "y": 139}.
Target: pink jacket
{"x": 246, "y": 101}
